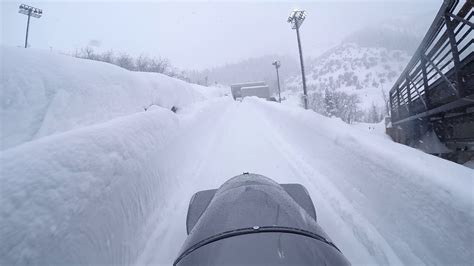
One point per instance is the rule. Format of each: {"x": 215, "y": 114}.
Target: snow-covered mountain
{"x": 365, "y": 64}
{"x": 351, "y": 68}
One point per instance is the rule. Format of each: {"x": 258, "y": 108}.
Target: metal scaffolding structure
{"x": 435, "y": 92}
{"x": 439, "y": 77}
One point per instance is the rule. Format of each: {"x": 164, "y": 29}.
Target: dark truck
{"x": 251, "y": 219}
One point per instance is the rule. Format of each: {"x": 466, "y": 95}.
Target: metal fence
{"x": 439, "y": 76}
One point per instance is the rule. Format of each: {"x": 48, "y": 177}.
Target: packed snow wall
{"x": 43, "y": 93}
{"x": 79, "y": 154}
{"x": 83, "y": 196}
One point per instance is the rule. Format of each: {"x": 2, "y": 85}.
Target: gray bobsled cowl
{"x": 251, "y": 219}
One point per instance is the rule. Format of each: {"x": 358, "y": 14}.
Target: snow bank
{"x": 84, "y": 196}
{"x": 79, "y": 155}
{"x": 380, "y": 148}
{"x": 403, "y": 205}
{"x": 373, "y": 128}
{"x": 43, "y": 93}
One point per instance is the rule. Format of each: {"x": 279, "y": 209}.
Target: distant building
{"x": 237, "y": 88}
{"x": 259, "y": 91}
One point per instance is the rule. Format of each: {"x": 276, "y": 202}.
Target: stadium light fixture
{"x": 296, "y": 18}
{"x": 30, "y": 12}
{"x": 277, "y": 65}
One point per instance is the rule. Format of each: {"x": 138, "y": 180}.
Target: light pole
{"x": 30, "y": 12}
{"x": 296, "y": 18}
{"x": 277, "y": 65}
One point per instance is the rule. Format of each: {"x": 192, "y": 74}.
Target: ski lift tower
{"x": 30, "y": 12}
{"x": 296, "y": 18}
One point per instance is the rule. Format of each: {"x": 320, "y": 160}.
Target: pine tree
{"x": 373, "y": 116}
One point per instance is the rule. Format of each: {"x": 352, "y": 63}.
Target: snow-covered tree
{"x": 143, "y": 63}
{"x": 126, "y": 61}
{"x": 330, "y": 104}
{"x": 159, "y": 65}
{"x": 373, "y": 115}
{"x": 107, "y": 57}
{"x": 333, "y": 103}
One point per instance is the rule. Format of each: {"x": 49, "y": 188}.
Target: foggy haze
{"x": 198, "y": 35}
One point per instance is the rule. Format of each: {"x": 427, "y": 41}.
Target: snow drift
{"x": 83, "y": 196}
{"x": 79, "y": 155}
{"x": 44, "y": 93}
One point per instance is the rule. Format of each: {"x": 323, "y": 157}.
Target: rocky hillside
{"x": 351, "y": 68}
{"x": 352, "y": 80}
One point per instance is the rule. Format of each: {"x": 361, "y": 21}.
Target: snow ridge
{"x": 83, "y": 196}
{"x": 57, "y": 93}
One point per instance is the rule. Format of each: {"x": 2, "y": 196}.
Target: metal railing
{"x": 440, "y": 71}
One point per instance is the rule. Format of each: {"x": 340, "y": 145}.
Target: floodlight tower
{"x": 296, "y": 18}
{"x": 277, "y": 65}
{"x": 30, "y": 12}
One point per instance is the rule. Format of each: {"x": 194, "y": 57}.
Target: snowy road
{"x": 380, "y": 202}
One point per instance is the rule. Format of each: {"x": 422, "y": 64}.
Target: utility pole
{"x": 296, "y": 18}
{"x": 277, "y": 65}
{"x": 30, "y": 12}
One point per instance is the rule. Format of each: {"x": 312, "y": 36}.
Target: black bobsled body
{"x": 251, "y": 219}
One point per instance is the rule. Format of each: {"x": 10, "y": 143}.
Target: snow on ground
{"x": 381, "y": 202}
{"x": 44, "y": 93}
{"x": 117, "y": 192}
{"x": 373, "y": 128}
{"x": 83, "y": 196}
{"x": 79, "y": 152}
{"x": 134, "y": 176}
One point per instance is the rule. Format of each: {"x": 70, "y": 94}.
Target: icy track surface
{"x": 381, "y": 202}
{"x": 131, "y": 179}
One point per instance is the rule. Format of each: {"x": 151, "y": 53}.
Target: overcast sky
{"x": 198, "y": 34}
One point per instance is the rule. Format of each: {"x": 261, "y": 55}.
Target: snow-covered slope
{"x": 84, "y": 196}
{"x": 78, "y": 167}
{"x": 44, "y": 93}
{"x": 354, "y": 69}
{"x": 382, "y": 203}
{"x": 116, "y": 192}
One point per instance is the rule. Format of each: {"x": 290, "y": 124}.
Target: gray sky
{"x": 200, "y": 34}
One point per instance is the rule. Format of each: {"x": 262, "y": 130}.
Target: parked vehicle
{"x": 252, "y": 220}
